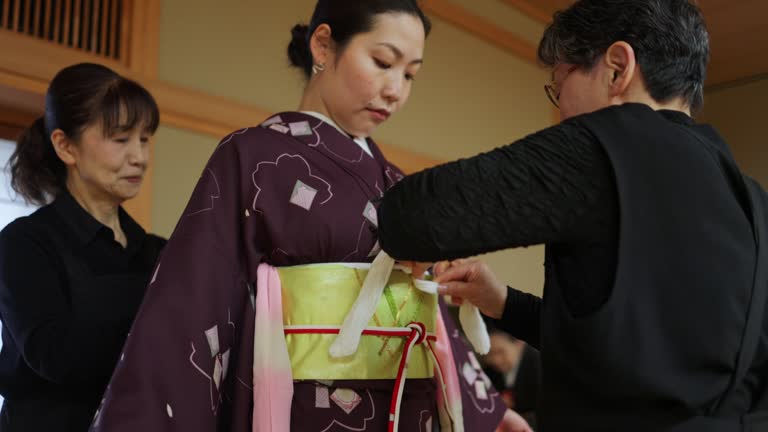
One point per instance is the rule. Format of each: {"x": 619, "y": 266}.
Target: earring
{"x": 317, "y": 68}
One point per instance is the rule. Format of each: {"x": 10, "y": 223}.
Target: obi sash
{"x": 346, "y": 322}
{"x": 317, "y": 297}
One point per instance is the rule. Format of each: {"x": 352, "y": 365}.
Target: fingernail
{"x": 442, "y": 289}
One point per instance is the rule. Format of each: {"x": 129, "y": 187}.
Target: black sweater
{"x": 555, "y": 187}
{"x": 68, "y": 295}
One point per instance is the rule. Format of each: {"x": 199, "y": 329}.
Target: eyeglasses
{"x": 553, "y": 89}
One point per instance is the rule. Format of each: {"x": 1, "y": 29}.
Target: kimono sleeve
{"x": 482, "y": 406}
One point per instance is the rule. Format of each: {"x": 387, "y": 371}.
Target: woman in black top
{"x": 73, "y": 274}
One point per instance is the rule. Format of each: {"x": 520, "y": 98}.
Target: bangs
{"x": 127, "y": 106}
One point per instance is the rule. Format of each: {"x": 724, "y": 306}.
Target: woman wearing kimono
{"x": 298, "y": 190}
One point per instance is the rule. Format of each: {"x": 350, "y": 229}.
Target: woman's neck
{"x": 311, "y": 101}
{"x": 102, "y": 209}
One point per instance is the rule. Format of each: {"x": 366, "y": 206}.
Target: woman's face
{"x": 109, "y": 167}
{"x": 614, "y": 79}
{"x": 371, "y": 78}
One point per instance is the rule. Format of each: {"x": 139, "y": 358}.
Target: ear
{"x": 321, "y": 44}
{"x": 64, "y": 147}
{"x": 621, "y": 64}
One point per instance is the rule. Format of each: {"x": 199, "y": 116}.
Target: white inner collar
{"x": 362, "y": 142}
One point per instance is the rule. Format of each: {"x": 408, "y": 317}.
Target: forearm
{"x": 522, "y": 317}
{"x": 77, "y": 351}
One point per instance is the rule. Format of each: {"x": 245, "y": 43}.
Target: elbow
{"x": 403, "y": 244}
{"x": 398, "y": 231}
{"x": 392, "y": 249}
{"x": 389, "y": 227}
{"x": 62, "y": 365}
{"x": 50, "y": 368}
{"x": 404, "y": 228}
{"x": 389, "y": 238}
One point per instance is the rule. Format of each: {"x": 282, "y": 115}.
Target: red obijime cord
{"x": 416, "y": 334}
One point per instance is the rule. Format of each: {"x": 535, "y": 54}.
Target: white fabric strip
{"x": 474, "y": 327}
{"x": 362, "y": 310}
{"x": 365, "y": 306}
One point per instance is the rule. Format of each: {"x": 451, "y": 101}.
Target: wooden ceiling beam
{"x": 530, "y": 10}
{"x": 482, "y": 28}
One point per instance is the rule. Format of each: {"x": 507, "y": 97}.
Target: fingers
{"x": 453, "y": 289}
{"x": 462, "y": 261}
{"x": 460, "y": 269}
{"x": 440, "y": 267}
{"x": 417, "y": 268}
{"x": 443, "y": 266}
{"x": 459, "y": 272}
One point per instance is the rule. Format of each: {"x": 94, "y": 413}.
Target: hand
{"x": 512, "y": 422}
{"x": 472, "y": 280}
{"x": 417, "y": 268}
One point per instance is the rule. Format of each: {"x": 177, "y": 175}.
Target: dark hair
{"x": 79, "y": 96}
{"x": 669, "y": 38}
{"x": 346, "y": 19}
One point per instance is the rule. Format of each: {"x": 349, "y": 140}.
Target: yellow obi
{"x": 322, "y": 294}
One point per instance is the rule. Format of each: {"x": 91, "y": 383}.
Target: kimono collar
{"x": 362, "y": 142}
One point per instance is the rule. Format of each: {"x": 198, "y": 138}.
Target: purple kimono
{"x": 294, "y": 190}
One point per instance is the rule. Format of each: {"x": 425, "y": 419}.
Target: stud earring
{"x": 317, "y": 68}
